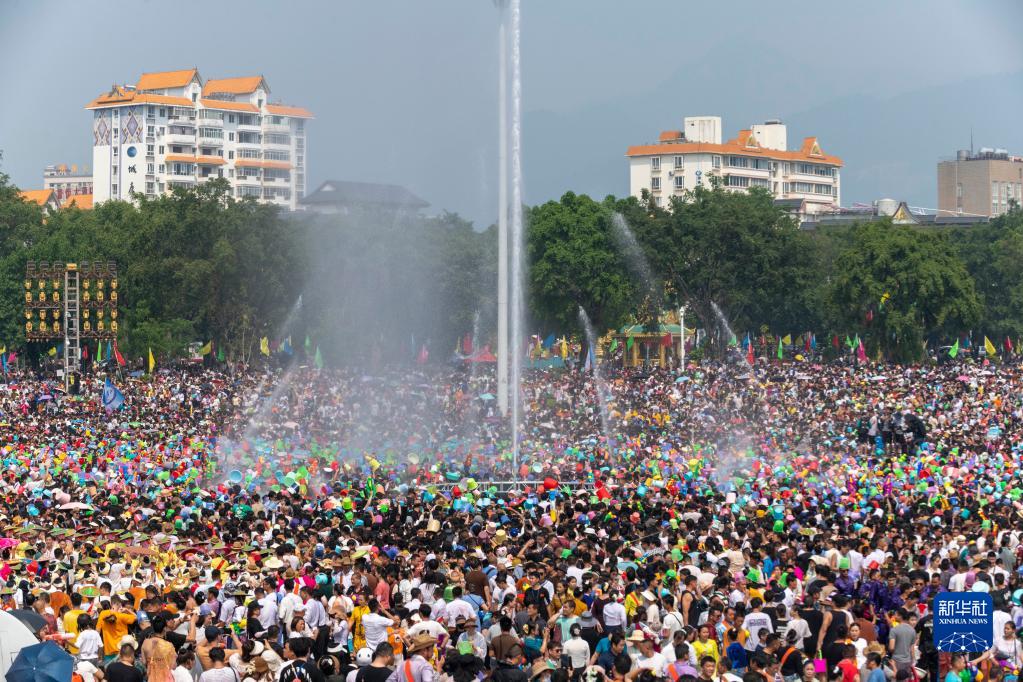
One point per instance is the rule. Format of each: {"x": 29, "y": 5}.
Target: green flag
{"x": 318, "y": 359}
{"x": 628, "y": 343}
{"x": 220, "y": 354}
{"x": 954, "y": 350}
{"x": 781, "y": 350}
{"x": 614, "y": 345}
{"x": 733, "y": 341}
{"x": 308, "y": 344}
{"x": 848, "y": 342}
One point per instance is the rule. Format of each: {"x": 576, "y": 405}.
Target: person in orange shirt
{"x": 112, "y": 625}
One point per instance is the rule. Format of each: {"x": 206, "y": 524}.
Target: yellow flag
{"x": 264, "y": 346}
{"x": 3, "y": 349}
{"x": 205, "y": 350}
{"x": 152, "y": 361}
{"x": 787, "y": 339}
{"x": 989, "y": 347}
{"x": 52, "y": 351}
{"x": 564, "y": 348}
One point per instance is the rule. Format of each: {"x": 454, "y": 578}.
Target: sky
{"x": 405, "y": 91}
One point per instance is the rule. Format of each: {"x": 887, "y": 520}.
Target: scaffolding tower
{"x": 72, "y": 323}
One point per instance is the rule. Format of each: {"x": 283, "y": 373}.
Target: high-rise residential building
{"x": 172, "y": 129}
{"x": 985, "y": 183}
{"x": 757, "y": 157}
{"x": 67, "y": 181}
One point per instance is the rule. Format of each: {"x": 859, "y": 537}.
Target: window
{"x": 657, "y": 201}
{"x": 655, "y": 161}
{"x": 163, "y": 111}
{"x": 822, "y": 189}
{"x": 150, "y": 130}
{"x": 176, "y": 149}
{"x": 116, "y": 150}
{"x": 680, "y": 181}
{"x": 230, "y": 155}
{"x": 150, "y": 186}
{"x": 150, "y": 167}
{"x": 678, "y": 162}
{"x": 272, "y": 155}
{"x": 230, "y": 118}
{"x": 759, "y": 164}
{"x": 161, "y": 149}
{"x": 213, "y": 133}
{"x": 760, "y": 182}
{"x": 113, "y": 189}
{"x": 802, "y": 187}
{"x": 162, "y": 170}
{"x": 736, "y": 181}
{"x": 277, "y": 138}
{"x": 150, "y": 111}
{"x": 114, "y": 169}
{"x": 716, "y": 162}
{"x": 738, "y": 162}
{"x": 230, "y": 137}
{"x": 114, "y": 138}
{"x": 655, "y": 184}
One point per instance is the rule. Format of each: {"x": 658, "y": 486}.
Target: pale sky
{"x": 404, "y": 91}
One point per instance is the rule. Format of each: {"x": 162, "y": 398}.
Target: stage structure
{"x": 72, "y": 303}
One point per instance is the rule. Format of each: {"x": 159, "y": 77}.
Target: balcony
{"x": 250, "y": 126}
{"x": 211, "y": 122}
{"x": 181, "y": 120}
{"x": 179, "y": 138}
{"x": 211, "y": 141}
{"x": 276, "y": 128}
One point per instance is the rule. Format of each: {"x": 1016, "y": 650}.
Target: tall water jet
{"x": 598, "y": 380}
{"x": 724, "y": 325}
{"x": 634, "y": 257}
{"x": 517, "y": 266}
{"x": 502, "y": 214}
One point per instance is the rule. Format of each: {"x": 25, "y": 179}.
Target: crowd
{"x": 722, "y": 523}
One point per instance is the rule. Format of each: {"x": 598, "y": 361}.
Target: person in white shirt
{"x": 576, "y": 648}
{"x": 289, "y": 602}
{"x": 755, "y": 621}
{"x": 89, "y": 641}
{"x": 375, "y": 625}
{"x": 614, "y": 615}
{"x": 647, "y": 658}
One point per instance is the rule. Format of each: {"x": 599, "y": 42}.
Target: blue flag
{"x": 110, "y": 351}
{"x": 3, "y": 359}
{"x": 286, "y": 346}
{"x": 548, "y": 342}
{"x": 112, "y": 398}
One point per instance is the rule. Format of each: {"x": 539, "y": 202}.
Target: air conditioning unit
{"x": 671, "y": 173}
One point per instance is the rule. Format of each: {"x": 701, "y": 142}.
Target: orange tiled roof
{"x": 743, "y": 144}
{"x": 669, "y": 135}
{"x": 287, "y": 110}
{"x": 37, "y": 196}
{"x": 229, "y": 106}
{"x": 235, "y": 86}
{"x": 180, "y": 158}
{"x": 82, "y": 201}
{"x": 166, "y": 79}
{"x": 119, "y": 96}
{"x": 210, "y": 160}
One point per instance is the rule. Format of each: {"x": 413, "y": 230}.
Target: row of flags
{"x": 268, "y": 347}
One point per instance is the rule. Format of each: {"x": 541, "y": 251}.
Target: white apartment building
{"x": 756, "y": 157}
{"x": 171, "y": 129}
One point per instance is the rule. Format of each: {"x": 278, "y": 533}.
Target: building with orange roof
{"x": 67, "y": 180}
{"x": 41, "y": 197}
{"x": 756, "y": 157}
{"x": 173, "y": 129}
{"x": 80, "y": 201}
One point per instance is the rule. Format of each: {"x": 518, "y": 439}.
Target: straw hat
{"x": 539, "y": 668}
{"x": 420, "y": 642}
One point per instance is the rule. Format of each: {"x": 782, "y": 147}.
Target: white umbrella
{"x": 75, "y": 505}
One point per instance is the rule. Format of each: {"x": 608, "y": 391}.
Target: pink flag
{"x": 861, "y": 352}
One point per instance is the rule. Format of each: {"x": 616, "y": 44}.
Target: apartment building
{"x": 983, "y": 183}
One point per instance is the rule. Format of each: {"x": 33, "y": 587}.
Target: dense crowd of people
{"x": 721, "y": 523}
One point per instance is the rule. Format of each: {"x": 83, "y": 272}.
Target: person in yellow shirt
{"x": 71, "y": 622}
{"x": 112, "y": 625}
{"x": 704, "y": 645}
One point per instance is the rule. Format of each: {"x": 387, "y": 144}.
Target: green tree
{"x": 573, "y": 262}
{"x": 734, "y": 249}
{"x": 930, "y": 295}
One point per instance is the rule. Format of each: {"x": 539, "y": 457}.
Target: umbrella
{"x": 75, "y": 505}
{"x": 44, "y": 662}
{"x": 32, "y": 620}
{"x": 486, "y": 396}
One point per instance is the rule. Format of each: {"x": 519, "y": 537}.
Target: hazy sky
{"x": 405, "y": 91}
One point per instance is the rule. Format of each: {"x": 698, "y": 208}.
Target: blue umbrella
{"x": 44, "y": 662}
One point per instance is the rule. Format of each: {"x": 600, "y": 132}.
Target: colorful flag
{"x": 85, "y": 352}
{"x": 750, "y": 358}
{"x": 954, "y": 350}
{"x": 748, "y": 343}
{"x": 3, "y": 360}
{"x": 286, "y": 346}
{"x": 3, "y": 349}
{"x": 732, "y": 341}
{"x": 614, "y": 345}
{"x": 1008, "y": 344}
{"x": 120, "y": 358}
{"x": 264, "y": 346}
{"x": 989, "y": 347}
{"x": 152, "y": 361}
{"x": 52, "y": 352}
{"x": 966, "y": 342}
{"x": 628, "y": 343}
{"x": 309, "y": 343}
{"x": 548, "y": 343}
{"x": 787, "y": 339}
{"x": 781, "y": 350}
{"x": 806, "y": 343}
{"x": 112, "y": 398}
{"x": 423, "y": 356}
{"x": 666, "y": 340}
{"x": 564, "y": 348}
{"x": 834, "y": 342}
{"x": 884, "y": 298}
{"x": 813, "y": 341}
{"x": 207, "y": 349}
{"x": 220, "y": 354}
{"x": 849, "y": 342}
{"x": 861, "y": 352}
{"x": 110, "y": 351}
{"x": 467, "y": 343}
{"x": 318, "y": 359}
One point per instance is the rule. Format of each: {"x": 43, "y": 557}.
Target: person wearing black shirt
{"x": 123, "y": 669}
{"x": 814, "y": 622}
{"x": 380, "y": 668}
{"x": 298, "y": 666}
